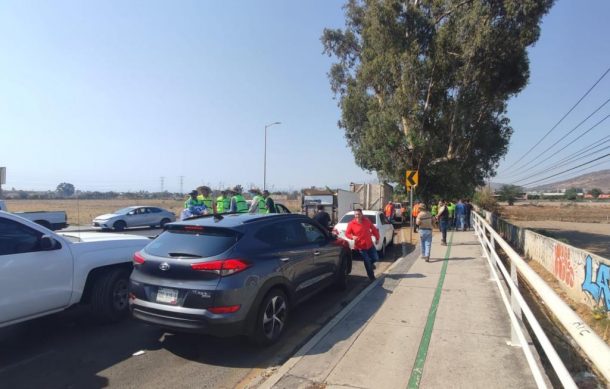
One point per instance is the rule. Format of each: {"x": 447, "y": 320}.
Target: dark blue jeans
{"x": 370, "y": 257}
{"x": 443, "y": 225}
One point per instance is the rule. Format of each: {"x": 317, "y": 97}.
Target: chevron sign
{"x": 412, "y": 177}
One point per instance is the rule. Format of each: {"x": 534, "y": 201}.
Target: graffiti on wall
{"x": 563, "y": 266}
{"x": 598, "y": 287}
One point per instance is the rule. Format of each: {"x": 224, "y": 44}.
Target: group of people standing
{"x": 447, "y": 215}
{"x": 201, "y": 202}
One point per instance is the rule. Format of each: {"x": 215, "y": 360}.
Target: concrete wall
{"x": 584, "y": 276}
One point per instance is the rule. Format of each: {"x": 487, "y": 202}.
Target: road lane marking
{"x": 422, "y": 352}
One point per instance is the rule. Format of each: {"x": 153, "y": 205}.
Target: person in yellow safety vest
{"x": 259, "y": 204}
{"x": 192, "y": 200}
{"x": 205, "y": 197}
{"x": 238, "y": 203}
{"x": 223, "y": 202}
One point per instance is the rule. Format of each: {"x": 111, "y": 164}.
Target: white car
{"x": 386, "y": 230}
{"x": 42, "y": 272}
{"x": 138, "y": 216}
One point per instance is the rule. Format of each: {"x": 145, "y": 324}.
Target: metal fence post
{"x": 514, "y": 275}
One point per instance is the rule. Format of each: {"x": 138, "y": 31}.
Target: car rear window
{"x": 186, "y": 241}
{"x": 349, "y": 218}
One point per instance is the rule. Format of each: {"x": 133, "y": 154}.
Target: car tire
{"x": 271, "y": 318}
{"x": 110, "y": 296}
{"x": 342, "y": 275}
{"x": 119, "y": 225}
{"x": 164, "y": 222}
{"x": 382, "y": 251}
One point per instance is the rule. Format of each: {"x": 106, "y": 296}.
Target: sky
{"x": 144, "y": 95}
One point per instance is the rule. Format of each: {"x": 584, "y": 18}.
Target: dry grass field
{"x": 82, "y": 212}
{"x": 558, "y": 211}
{"x": 582, "y": 225}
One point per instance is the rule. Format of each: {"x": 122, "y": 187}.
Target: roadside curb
{"x": 289, "y": 364}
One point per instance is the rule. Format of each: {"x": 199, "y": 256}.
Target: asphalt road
{"x": 70, "y": 350}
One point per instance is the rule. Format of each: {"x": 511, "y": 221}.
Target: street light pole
{"x": 265, "y": 157}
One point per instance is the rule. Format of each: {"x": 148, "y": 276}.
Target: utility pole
{"x": 162, "y": 182}
{"x": 181, "y": 184}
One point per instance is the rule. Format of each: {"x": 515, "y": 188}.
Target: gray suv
{"x": 235, "y": 274}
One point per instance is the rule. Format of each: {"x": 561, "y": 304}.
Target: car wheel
{"x": 342, "y": 274}
{"x": 272, "y": 318}
{"x": 110, "y": 295}
{"x": 382, "y": 251}
{"x": 164, "y": 222}
{"x": 119, "y": 225}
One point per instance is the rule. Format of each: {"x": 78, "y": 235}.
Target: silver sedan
{"x": 138, "y": 216}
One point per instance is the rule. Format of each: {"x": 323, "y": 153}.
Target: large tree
{"x": 65, "y": 189}
{"x": 423, "y": 84}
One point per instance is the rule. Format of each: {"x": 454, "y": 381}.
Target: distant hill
{"x": 599, "y": 179}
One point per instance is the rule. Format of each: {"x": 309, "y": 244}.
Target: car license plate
{"x": 167, "y": 296}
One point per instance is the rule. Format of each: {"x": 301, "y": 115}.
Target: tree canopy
{"x": 65, "y": 189}
{"x": 423, "y": 84}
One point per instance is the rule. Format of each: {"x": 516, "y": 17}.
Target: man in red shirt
{"x": 361, "y": 230}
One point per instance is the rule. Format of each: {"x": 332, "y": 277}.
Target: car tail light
{"x": 193, "y": 228}
{"x": 224, "y": 267}
{"x": 225, "y": 309}
{"x": 138, "y": 258}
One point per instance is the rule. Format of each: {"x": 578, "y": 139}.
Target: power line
{"x": 565, "y": 171}
{"x": 522, "y": 173}
{"x": 563, "y": 117}
{"x": 564, "y": 137}
{"x": 574, "y": 174}
{"x": 559, "y": 166}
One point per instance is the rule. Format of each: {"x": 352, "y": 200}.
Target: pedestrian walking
{"x": 414, "y": 213}
{"x": 424, "y": 221}
{"x": 443, "y": 221}
{"x": 389, "y": 211}
{"x": 460, "y": 215}
{"x": 467, "y": 215}
{"x": 361, "y": 230}
{"x": 451, "y": 208}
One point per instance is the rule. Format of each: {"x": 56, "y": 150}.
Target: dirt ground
{"x": 82, "y": 212}
{"x": 582, "y": 225}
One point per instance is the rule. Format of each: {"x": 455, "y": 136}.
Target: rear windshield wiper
{"x": 187, "y": 255}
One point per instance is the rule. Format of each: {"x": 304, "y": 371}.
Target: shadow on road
{"x": 70, "y": 350}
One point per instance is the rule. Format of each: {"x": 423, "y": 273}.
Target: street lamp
{"x": 265, "y": 160}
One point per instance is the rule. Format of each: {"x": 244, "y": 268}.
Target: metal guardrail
{"x": 594, "y": 348}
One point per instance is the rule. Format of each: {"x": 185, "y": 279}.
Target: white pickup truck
{"x": 42, "y": 272}
{"x": 53, "y": 220}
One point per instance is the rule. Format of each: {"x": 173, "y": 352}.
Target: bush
{"x": 485, "y": 199}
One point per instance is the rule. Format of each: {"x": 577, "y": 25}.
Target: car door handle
{"x": 285, "y": 259}
{"x": 317, "y": 252}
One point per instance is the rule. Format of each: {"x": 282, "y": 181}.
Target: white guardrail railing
{"x": 596, "y": 350}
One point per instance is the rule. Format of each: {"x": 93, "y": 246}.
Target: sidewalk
{"x": 436, "y": 324}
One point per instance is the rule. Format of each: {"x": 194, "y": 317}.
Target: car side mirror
{"x": 47, "y": 243}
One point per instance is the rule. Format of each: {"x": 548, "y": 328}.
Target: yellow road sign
{"x": 411, "y": 178}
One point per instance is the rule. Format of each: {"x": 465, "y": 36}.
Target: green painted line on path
{"x": 422, "y": 352}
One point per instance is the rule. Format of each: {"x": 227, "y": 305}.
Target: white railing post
{"x": 514, "y": 275}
